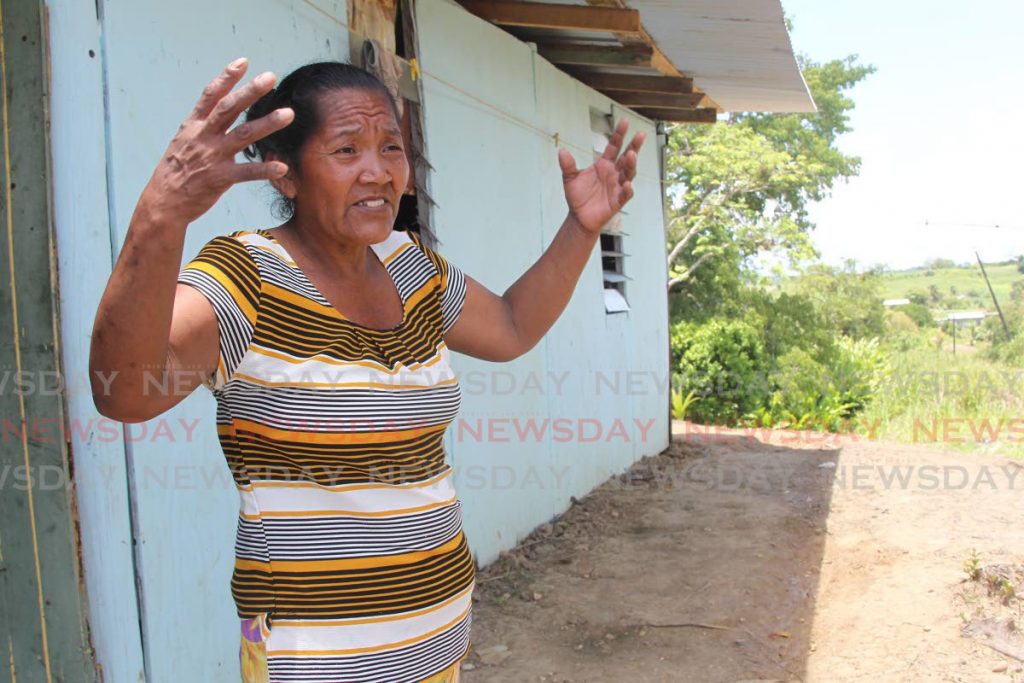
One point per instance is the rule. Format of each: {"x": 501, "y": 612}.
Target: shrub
{"x": 808, "y": 394}
{"x": 898, "y": 322}
{"x": 724, "y": 363}
{"x": 919, "y": 313}
{"x": 789, "y": 321}
{"x": 858, "y": 370}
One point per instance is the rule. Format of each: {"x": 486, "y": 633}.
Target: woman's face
{"x": 353, "y": 169}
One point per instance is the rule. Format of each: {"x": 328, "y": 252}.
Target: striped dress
{"x": 350, "y": 554}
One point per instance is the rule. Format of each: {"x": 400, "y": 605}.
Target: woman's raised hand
{"x": 597, "y": 193}
{"x": 199, "y": 164}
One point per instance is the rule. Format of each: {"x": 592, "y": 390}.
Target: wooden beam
{"x": 550, "y": 15}
{"x": 658, "y": 59}
{"x": 630, "y": 83}
{"x": 657, "y": 100}
{"x": 703, "y": 115}
{"x": 581, "y": 54}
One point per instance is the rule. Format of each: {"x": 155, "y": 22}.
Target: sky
{"x": 939, "y": 128}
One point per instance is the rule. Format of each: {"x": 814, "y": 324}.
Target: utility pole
{"x": 1006, "y": 329}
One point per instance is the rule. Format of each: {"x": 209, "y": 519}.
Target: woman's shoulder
{"x": 394, "y": 245}
{"x": 257, "y": 242}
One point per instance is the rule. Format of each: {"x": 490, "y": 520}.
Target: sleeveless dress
{"x": 351, "y": 564}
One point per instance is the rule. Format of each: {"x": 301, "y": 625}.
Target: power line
{"x": 928, "y": 223}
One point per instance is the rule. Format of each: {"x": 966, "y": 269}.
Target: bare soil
{"x": 768, "y": 556}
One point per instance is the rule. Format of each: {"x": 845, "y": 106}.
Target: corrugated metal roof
{"x": 737, "y": 51}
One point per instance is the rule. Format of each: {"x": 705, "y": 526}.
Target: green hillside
{"x": 963, "y": 285}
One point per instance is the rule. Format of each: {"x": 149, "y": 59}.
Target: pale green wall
{"x": 158, "y": 509}
{"x": 492, "y": 106}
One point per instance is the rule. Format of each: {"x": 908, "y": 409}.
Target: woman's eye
{"x": 347, "y": 149}
{"x": 394, "y": 147}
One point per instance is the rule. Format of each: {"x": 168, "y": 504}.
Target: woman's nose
{"x": 375, "y": 170}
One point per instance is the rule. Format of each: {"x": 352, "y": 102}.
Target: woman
{"x": 326, "y": 343}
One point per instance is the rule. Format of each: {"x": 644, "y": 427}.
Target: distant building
{"x": 964, "y": 318}
{"x": 896, "y": 302}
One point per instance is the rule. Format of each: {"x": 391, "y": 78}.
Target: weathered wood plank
{"x": 658, "y": 100}
{"x": 595, "y": 55}
{"x": 633, "y": 83}
{"x": 43, "y": 621}
{"x": 703, "y": 115}
{"x": 551, "y": 15}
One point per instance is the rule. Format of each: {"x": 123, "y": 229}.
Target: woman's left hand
{"x": 597, "y": 193}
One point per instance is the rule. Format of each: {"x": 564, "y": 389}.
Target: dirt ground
{"x": 768, "y": 556}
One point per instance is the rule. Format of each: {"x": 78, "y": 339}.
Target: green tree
{"x": 919, "y": 313}
{"x": 936, "y": 263}
{"x": 1017, "y": 291}
{"x": 849, "y": 301}
{"x": 742, "y": 187}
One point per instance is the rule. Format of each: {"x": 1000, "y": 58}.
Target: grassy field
{"x": 969, "y": 285}
{"x": 963, "y": 402}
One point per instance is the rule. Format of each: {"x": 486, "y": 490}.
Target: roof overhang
{"x": 671, "y": 60}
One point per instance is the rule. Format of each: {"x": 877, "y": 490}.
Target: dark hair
{"x": 301, "y": 90}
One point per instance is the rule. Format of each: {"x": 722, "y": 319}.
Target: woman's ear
{"x": 286, "y": 184}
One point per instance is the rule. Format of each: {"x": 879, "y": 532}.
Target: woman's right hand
{"x": 199, "y": 164}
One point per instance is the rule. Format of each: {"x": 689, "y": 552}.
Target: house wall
{"x": 492, "y": 107}
{"x": 155, "y": 500}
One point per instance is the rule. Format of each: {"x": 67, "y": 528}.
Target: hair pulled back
{"x": 302, "y": 90}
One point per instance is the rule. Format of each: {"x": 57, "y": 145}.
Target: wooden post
{"x": 42, "y": 609}
{"x": 1006, "y": 328}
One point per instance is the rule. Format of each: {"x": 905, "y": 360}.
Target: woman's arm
{"x": 154, "y": 340}
{"x": 501, "y": 328}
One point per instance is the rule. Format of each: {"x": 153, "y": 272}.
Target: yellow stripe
{"x": 351, "y": 513}
{"x": 347, "y": 438}
{"x": 350, "y": 487}
{"x": 319, "y": 358}
{"x": 373, "y": 620}
{"x": 353, "y": 385}
{"x": 300, "y": 301}
{"x": 393, "y": 255}
{"x": 351, "y": 563}
{"x": 379, "y": 648}
{"x": 17, "y": 352}
{"x": 227, "y": 284}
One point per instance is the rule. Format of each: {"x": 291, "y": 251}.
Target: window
{"x": 613, "y": 248}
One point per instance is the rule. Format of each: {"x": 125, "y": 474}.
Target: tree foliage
{"x": 742, "y": 187}
{"x": 849, "y": 302}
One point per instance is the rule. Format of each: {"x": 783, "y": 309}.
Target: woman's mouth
{"x": 372, "y": 203}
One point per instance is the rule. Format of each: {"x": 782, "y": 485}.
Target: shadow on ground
{"x": 698, "y": 564}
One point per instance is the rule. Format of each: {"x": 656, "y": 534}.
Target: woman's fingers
{"x": 567, "y": 163}
{"x": 219, "y": 87}
{"x": 230, "y": 106}
{"x": 634, "y": 146}
{"x": 256, "y": 170}
{"x": 243, "y": 135}
{"x": 625, "y": 193}
{"x": 638, "y": 141}
{"x": 611, "y": 151}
